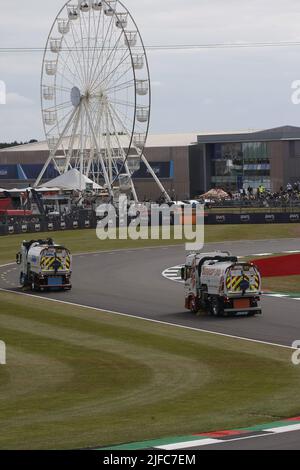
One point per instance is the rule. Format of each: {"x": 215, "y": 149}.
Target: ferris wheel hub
{"x": 75, "y": 96}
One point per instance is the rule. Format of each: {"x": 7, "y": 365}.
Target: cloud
{"x": 20, "y": 123}
{"x": 14, "y": 99}
{"x": 213, "y": 89}
{"x": 156, "y": 83}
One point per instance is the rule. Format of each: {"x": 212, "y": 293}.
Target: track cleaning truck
{"x": 44, "y": 265}
{"x": 220, "y": 284}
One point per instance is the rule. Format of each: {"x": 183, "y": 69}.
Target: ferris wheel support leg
{"x": 71, "y": 146}
{"x": 106, "y": 178}
{"x": 133, "y": 190}
{"x": 81, "y": 153}
{"x": 110, "y": 169}
{"x": 135, "y": 197}
{"x": 92, "y": 152}
{"x": 53, "y": 152}
{"x": 156, "y": 179}
{"x": 134, "y": 194}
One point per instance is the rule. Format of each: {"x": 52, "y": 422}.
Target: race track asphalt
{"x": 131, "y": 282}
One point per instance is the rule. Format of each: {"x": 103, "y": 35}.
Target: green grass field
{"x": 86, "y": 240}
{"x": 79, "y": 378}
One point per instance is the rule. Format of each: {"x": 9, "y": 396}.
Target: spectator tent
{"x": 72, "y": 180}
{"x": 215, "y": 194}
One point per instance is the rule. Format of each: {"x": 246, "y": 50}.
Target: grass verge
{"x": 283, "y": 285}
{"x": 82, "y": 378}
{"x": 86, "y": 240}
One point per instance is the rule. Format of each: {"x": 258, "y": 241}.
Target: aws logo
{"x": 245, "y": 218}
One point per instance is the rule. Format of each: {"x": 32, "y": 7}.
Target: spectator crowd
{"x": 262, "y": 197}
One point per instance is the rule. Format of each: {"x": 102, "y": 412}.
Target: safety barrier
{"x": 88, "y": 221}
{"x": 252, "y": 218}
{"x": 81, "y": 220}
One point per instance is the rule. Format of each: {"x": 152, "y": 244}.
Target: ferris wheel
{"x": 96, "y": 95}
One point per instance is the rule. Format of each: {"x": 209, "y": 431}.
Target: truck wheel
{"x": 22, "y": 279}
{"x": 215, "y": 307}
{"x": 194, "y": 308}
{"x": 34, "y": 287}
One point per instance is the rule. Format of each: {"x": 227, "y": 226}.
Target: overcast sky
{"x": 203, "y": 90}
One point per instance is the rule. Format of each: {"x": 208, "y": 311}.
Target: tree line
{"x": 4, "y": 145}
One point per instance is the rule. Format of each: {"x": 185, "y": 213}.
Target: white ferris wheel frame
{"x": 114, "y": 159}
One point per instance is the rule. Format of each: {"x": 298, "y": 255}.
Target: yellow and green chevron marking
{"x": 233, "y": 283}
{"x": 68, "y": 262}
{"x": 47, "y": 263}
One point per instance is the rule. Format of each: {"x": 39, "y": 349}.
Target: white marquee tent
{"x": 72, "y": 180}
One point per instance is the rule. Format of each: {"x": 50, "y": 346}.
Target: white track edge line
{"x": 189, "y": 444}
{"x": 103, "y": 310}
{"x": 284, "y": 429}
{"x": 266, "y": 433}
